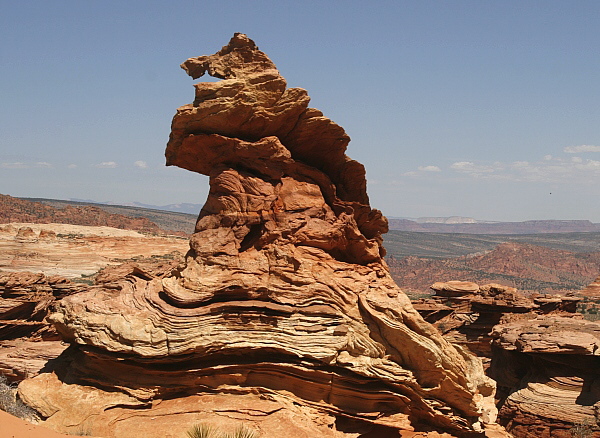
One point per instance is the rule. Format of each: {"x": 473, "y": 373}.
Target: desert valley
{"x": 289, "y": 305}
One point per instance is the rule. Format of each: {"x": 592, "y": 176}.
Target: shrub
{"x": 9, "y": 402}
{"x": 201, "y": 431}
{"x": 241, "y": 432}
{"x": 582, "y": 429}
{"x": 207, "y": 431}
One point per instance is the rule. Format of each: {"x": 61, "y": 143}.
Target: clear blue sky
{"x": 476, "y": 108}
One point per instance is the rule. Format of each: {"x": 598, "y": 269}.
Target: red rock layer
{"x": 529, "y": 268}
{"x": 20, "y": 210}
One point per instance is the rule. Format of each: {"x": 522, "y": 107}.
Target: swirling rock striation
{"x": 283, "y": 300}
{"x": 547, "y": 374}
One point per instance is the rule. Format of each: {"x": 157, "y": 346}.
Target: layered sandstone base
{"x": 548, "y": 376}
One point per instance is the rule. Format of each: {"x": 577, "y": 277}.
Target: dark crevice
{"x": 252, "y": 237}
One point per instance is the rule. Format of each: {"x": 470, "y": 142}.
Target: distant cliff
{"x": 527, "y": 227}
{"x": 19, "y": 210}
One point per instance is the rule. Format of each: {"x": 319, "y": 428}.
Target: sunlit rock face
{"x": 283, "y": 300}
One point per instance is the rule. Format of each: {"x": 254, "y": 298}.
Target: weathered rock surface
{"x": 592, "y": 290}
{"x": 25, "y": 299}
{"x": 75, "y": 251}
{"x": 542, "y": 354}
{"x": 23, "y": 357}
{"x": 27, "y": 341}
{"x": 547, "y": 370}
{"x": 284, "y": 314}
{"x": 466, "y": 312}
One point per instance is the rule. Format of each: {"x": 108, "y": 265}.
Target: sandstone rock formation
{"x": 466, "y": 313}
{"x": 27, "y": 341}
{"x": 592, "y": 290}
{"x": 541, "y": 353}
{"x": 25, "y": 299}
{"x": 75, "y": 251}
{"x": 283, "y": 316}
{"x": 547, "y": 370}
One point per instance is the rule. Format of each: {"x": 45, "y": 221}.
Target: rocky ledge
{"x": 547, "y": 374}
{"x": 542, "y": 354}
{"x": 466, "y": 312}
{"x": 283, "y": 315}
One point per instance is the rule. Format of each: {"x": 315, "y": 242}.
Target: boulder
{"x": 455, "y": 288}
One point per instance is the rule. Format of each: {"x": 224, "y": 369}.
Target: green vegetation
{"x": 416, "y": 295}
{"x": 590, "y": 309}
{"x": 70, "y": 236}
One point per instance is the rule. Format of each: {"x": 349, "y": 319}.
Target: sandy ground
{"x": 13, "y": 427}
{"x": 77, "y": 229}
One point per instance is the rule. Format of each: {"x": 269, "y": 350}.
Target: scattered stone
{"x": 26, "y": 233}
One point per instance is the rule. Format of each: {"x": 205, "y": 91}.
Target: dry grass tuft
{"x": 10, "y": 402}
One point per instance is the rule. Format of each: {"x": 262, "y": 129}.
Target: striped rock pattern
{"x": 547, "y": 374}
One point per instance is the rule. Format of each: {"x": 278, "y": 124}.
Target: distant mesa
{"x": 458, "y": 224}
{"x": 446, "y": 220}
{"x": 184, "y": 207}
